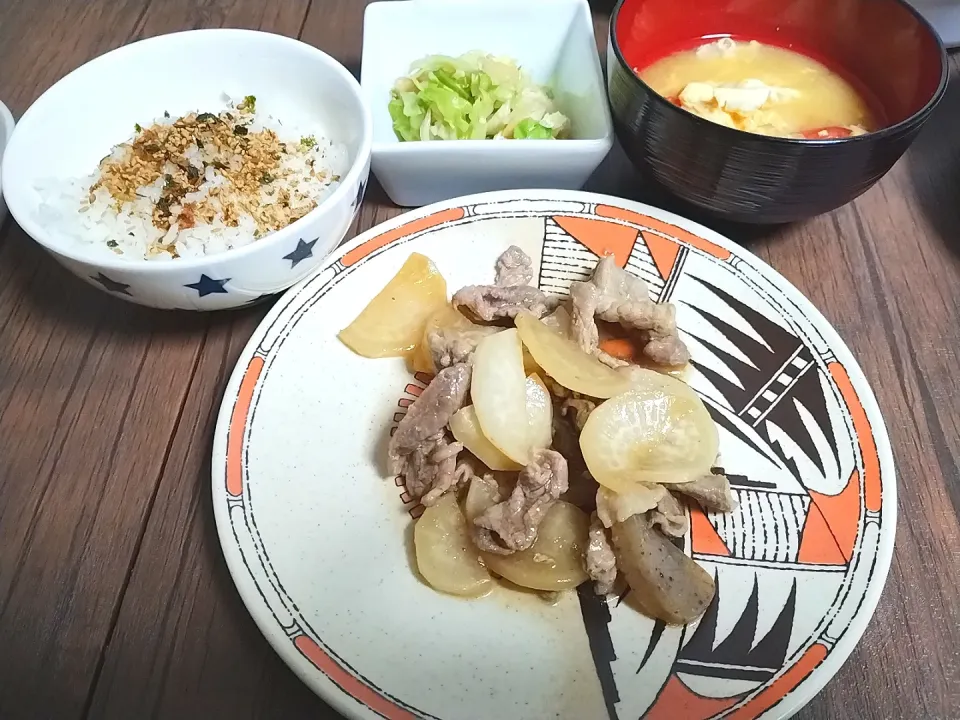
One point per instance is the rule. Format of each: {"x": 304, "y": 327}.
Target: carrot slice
{"x": 827, "y": 133}
{"x": 621, "y": 348}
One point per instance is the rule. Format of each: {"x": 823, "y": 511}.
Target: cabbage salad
{"x": 473, "y": 97}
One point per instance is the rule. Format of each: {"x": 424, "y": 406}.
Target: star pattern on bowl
{"x": 300, "y": 253}
{"x": 209, "y": 286}
{"x": 111, "y": 285}
{"x": 361, "y": 189}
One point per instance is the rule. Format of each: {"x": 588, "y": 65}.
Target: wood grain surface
{"x": 114, "y": 598}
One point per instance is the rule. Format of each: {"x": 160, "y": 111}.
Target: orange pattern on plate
{"x": 348, "y": 683}
{"x": 704, "y": 539}
{"x": 842, "y": 514}
{"x": 664, "y": 252}
{"x": 676, "y": 700}
{"x": 414, "y": 226}
{"x": 666, "y": 228}
{"x": 238, "y": 422}
{"x": 861, "y": 426}
{"x": 818, "y": 546}
{"x": 602, "y": 237}
{"x": 784, "y": 684}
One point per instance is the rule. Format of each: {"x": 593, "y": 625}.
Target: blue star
{"x": 303, "y": 251}
{"x": 208, "y": 286}
{"x": 111, "y": 285}
{"x": 359, "y": 198}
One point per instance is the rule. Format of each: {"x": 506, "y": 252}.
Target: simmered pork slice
{"x": 600, "y": 560}
{"x": 616, "y": 296}
{"x": 577, "y": 409}
{"x": 495, "y": 303}
{"x": 511, "y": 525}
{"x": 514, "y": 267}
{"x": 431, "y": 469}
{"x": 711, "y": 491}
{"x": 510, "y": 294}
{"x": 421, "y": 450}
{"x": 670, "y": 516}
{"x": 571, "y": 405}
{"x": 430, "y": 413}
{"x": 655, "y": 501}
{"x": 453, "y": 345}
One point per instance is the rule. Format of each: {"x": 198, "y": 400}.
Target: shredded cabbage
{"x": 473, "y": 97}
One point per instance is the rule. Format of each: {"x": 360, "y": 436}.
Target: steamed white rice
{"x": 127, "y": 229}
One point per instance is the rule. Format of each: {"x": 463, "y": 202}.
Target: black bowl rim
{"x": 880, "y": 134}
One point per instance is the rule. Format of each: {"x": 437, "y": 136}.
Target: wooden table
{"x": 114, "y": 598}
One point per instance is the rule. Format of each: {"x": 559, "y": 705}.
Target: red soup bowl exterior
{"x": 883, "y": 47}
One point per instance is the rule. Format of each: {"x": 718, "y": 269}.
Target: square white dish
{"x": 552, "y": 40}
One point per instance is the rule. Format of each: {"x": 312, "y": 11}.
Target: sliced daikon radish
{"x": 391, "y": 325}
{"x": 539, "y": 414}
{"x": 466, "y": 429}
{"x": 555, "y": 561}
{"x": 659, "y": 432}
{"x": 446, "y": 556}
{"x": 444, "y": 316}
{"x": 419, "y": 360}
{"x": 566, "y": 363}
{"x": 499, "y": 392}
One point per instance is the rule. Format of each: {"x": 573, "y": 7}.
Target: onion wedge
{"x": 566, "y": 363}
{"x": 659, "y": 432}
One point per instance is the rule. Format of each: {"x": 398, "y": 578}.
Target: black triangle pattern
{"x": 809, "y": 392}
{"x": 733, "y": 657}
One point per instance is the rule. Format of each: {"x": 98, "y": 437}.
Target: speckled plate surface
{"x": 317, "y": 539}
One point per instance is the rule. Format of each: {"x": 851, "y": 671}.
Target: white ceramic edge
{"x": 339, "y": 699}
{"x": 34, "y": 229}
{"x": 9, "y": 125}
{"x": 604, "y": 143}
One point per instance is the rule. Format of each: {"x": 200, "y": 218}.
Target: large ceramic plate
{"x": 317, "y": 538}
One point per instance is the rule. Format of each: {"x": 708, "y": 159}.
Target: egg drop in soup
{"x": 762, "y": 89}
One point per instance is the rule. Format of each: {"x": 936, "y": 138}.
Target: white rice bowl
{"x": 52, "y": 161}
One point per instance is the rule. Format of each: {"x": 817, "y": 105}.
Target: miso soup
{"x": 762, "y": 89}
